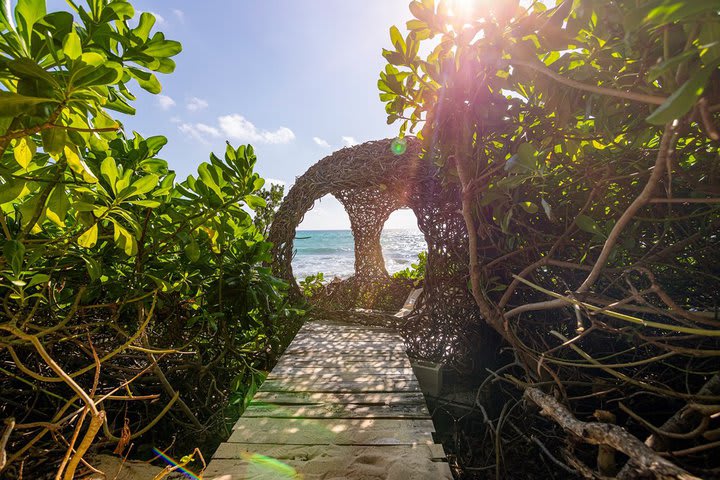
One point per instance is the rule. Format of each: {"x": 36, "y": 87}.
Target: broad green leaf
{"x": 6, "y": 15}
{"x": 254, "y": 202}
{"x": 27, "y": 13}
{"x": 208, "y": 176}
{"x": 675, "y": 10}
{"x": 587, "y": 224}
{"x": 57, "y": 206}
{"x": 146, "y": 80}
{"x": 142, "y": 31}
{"x": 192, "y": 251}
{"x": 24, "y": 151}
{"x": 89, "y": 238}
{"x": 72, "y": 46}
{"x": 144, "y": 185}
{"x": 683, "y": 99}
{"x": 163, "y": 48}
{"x": 146, "y": 203}
{"x": 78, "y": 165}
{"x": 14, "y": 104}
{"x": 122, "y": 9}
{"x": 54, "y": 141}
{"x": 109, "y": 171}
{"x": 124, "y": 239}
{"x": 37, "y": 279}
{"x": 14, "y": 189}
{"x": 397, "y": 40}
{"x": 709, "y": 39}
{"x": 26, "y": 67}
{"x": 14, "y": 252}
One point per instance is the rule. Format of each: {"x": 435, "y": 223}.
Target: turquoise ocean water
{"x": 332, "y": 251}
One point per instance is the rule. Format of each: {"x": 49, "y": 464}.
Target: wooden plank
{"x": 357, "y": 336}
{"x": 358, "y": 385}
{"x": 305, "y": 398}
{"x": 331, "y": 341}
{"x": 324, "y": 377}
{"x": 338, "y": 361}
{"x": 318, "y": 431}
{"x": 327, "y": 462}
{"x": 291, "y": 452}
{"x": 363, "y": 368}
{"x": 354, "y": 347}
{"x": 336, "y": 410}
{"x": 345, "y": 357}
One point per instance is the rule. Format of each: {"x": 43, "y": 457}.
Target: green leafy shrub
{"x": 117, "y": 279}
{"x": 312, "y": 284}
{"x": 416, "y": 271}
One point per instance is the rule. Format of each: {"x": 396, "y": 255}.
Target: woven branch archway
{"x": 372, "y": 182}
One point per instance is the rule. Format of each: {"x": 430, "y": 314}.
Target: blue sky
{"x": 297, "y": 79}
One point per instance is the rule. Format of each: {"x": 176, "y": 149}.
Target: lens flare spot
{"x": 271, "y": 464}
{"x": 398, "y": 146}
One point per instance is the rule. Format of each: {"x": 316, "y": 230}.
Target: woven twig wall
{"x": 371, "y": 182}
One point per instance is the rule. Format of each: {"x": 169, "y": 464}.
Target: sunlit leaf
{"x": 24, "y": 151}
{"x": 89, "y": 238}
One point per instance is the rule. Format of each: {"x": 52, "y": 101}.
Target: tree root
{"x": 644, "y": 459}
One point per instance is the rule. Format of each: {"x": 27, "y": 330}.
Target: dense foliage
{"x": 416, "y": 271}
{"x": 132, "y": 303}
{"x": 584, "y": 138}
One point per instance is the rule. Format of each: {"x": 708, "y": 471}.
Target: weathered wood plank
{"x": 298, "y": 362}
{"x": 342, "y": 376}
{"x": 305, "y": 398}
{"x": 335, "y": 410}
{"x": 339, "y": 385}
{"x": 319, "y": 431}
{"x": 327, "y": 462}
{"x": 346, "y": 347}
{"x": 307, "y": 356}
{"x": 291, "y": 452}
{"x": 361, "y": 368}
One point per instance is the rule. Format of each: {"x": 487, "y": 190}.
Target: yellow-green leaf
{"x": 24, "y": 151}
{"x": 13, "y": 190}
{"x": 89, "y": 238}
{"x": 54, "y": 140}
{"x": 72, "y": 46}
{"x": 124, "y": 240}
{"x": 78, "y": 165}
{"x": 57, "y": 206}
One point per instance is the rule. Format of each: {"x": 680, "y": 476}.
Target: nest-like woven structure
{"x": 372, "y": 182}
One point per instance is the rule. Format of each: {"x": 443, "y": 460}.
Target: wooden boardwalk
{"x": 342, "y": 403}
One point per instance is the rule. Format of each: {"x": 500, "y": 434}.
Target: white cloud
{"x": 195, "y": 104}
{"x": 349, "y": 141}
{"x": 165, "y": 102}
{"x": 321, "y": 142}
{"x": 199, "y": 131}
{"x": 175, "y": 119}
{"x": 179, "y": 14}
{"x": 238, "y": 127}
{"x": 159, "y": 19}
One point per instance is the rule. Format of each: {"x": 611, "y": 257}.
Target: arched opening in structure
{"x": 372, "y": 181}
{"x": 323, "y": 242}
{"x": 402, "y": 241}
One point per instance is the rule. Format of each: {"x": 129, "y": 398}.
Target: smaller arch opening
{"x": 402, "y": 241}
{"x": 324, "y": 243}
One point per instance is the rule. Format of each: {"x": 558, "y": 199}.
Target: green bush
{"x": 416, "y": 271}
{"x": 114, "y": 276}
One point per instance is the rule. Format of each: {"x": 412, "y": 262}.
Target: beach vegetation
{"x": 583, "y": 135}
{"x": 135, "y": 306}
